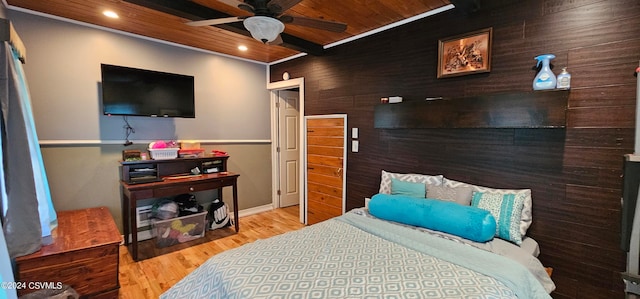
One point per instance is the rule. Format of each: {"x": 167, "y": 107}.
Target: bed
{"x": 361, "y": 255}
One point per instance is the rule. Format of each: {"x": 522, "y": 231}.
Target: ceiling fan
{"x": 268, "y": 19}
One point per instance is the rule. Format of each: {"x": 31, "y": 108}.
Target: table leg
{"x": 235, "y": 205}
{"x": 125, "y": 218}
{"x": 134, "y": 231}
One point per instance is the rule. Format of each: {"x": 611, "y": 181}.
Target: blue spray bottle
{"x": 545, "y": 78}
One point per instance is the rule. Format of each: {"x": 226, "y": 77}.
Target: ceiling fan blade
{"x": 215, "y": 21}
{"x": 279, "y": 6}
{"x": 315, "y": 23}
{"x": 277, "y": 41}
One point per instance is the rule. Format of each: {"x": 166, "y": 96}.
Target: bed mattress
{"x": 354, "y": 256}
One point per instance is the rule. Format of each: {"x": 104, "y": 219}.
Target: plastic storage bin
{"x": 179, "y": 230}
{"x": 164, "y": 153}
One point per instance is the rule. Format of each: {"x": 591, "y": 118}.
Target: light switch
{"x": 354, "y": 133}
{"x": 354, "y": 146}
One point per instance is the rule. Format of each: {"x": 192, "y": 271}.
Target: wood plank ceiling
{"x": 165, "y": 20}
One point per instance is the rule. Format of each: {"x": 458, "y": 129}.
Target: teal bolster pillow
{"x": 465, "y": 221}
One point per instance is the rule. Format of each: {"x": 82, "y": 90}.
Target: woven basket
{"x": 163, "y": 153}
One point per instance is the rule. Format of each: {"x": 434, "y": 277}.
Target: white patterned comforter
{"x": 357, "y": 257}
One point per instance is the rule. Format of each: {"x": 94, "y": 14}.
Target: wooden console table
{"x": 84, "y": 255}
{"x": 131, "y": 193}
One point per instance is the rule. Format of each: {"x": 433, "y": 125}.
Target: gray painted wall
{"x": 63, "y": 73}
{"x": 88, "y": 176}
{"x": 82, "y": 149}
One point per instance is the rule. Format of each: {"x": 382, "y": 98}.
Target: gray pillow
{"x": 461, "y": 195}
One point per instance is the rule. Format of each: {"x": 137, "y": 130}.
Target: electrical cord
{"x": 128, "y": 129}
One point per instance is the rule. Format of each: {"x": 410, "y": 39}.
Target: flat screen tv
{"x": 138, "y": 92}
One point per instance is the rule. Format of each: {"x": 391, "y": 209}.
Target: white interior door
{"x": 296, "y": 84}
{"x": 289, "y": 147}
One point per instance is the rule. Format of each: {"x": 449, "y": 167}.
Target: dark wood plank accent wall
{"x": 575, "y": 173}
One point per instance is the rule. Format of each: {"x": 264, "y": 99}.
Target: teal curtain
{"x": 48, "y": 216}
{"x": 28, "y": 213}
{"x": 6, "y": 269}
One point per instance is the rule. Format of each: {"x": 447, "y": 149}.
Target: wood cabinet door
{"x": 326, "y": 162}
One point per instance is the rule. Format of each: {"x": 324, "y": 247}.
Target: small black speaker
{"x": 631, "y": 182}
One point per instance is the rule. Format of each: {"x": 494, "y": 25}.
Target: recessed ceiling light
{"x": 243, "y": 48}
{"x": 110, "y": 14}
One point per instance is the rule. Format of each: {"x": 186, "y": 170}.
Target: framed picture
{"x": 465, "y": 54}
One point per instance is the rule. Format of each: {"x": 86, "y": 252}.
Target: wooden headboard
{"x": 8, "y": 33}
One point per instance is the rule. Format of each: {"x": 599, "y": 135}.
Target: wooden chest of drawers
{"x": 83, "y": 255}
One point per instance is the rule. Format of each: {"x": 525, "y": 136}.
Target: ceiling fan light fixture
{"x": 264, "y": 29}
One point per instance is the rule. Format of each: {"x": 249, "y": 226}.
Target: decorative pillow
{"x": 399, "y": 187}
{"x": 526, "y": 218}
{"x": 465, "y": 221}
{"x": 385, "y": 180}
{"x": 461, "y": 195}
{"x": 506, "y": 209}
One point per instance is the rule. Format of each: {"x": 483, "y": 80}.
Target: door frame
{"x": 273, "y": 88}
{"x": 344, "y": 160}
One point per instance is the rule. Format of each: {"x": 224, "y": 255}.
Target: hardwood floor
{"x": 150, "y": 277}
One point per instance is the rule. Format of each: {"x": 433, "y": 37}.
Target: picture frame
{"x": 465, "y": 54}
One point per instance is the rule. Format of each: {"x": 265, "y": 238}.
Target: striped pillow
{"x": 506, "y": 209}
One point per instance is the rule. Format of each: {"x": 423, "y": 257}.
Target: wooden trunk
{"x": 83, "y": 255}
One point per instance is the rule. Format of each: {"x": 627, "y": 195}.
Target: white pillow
{"x": 526, "y": 216}
{"x": 385, "y": 180}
